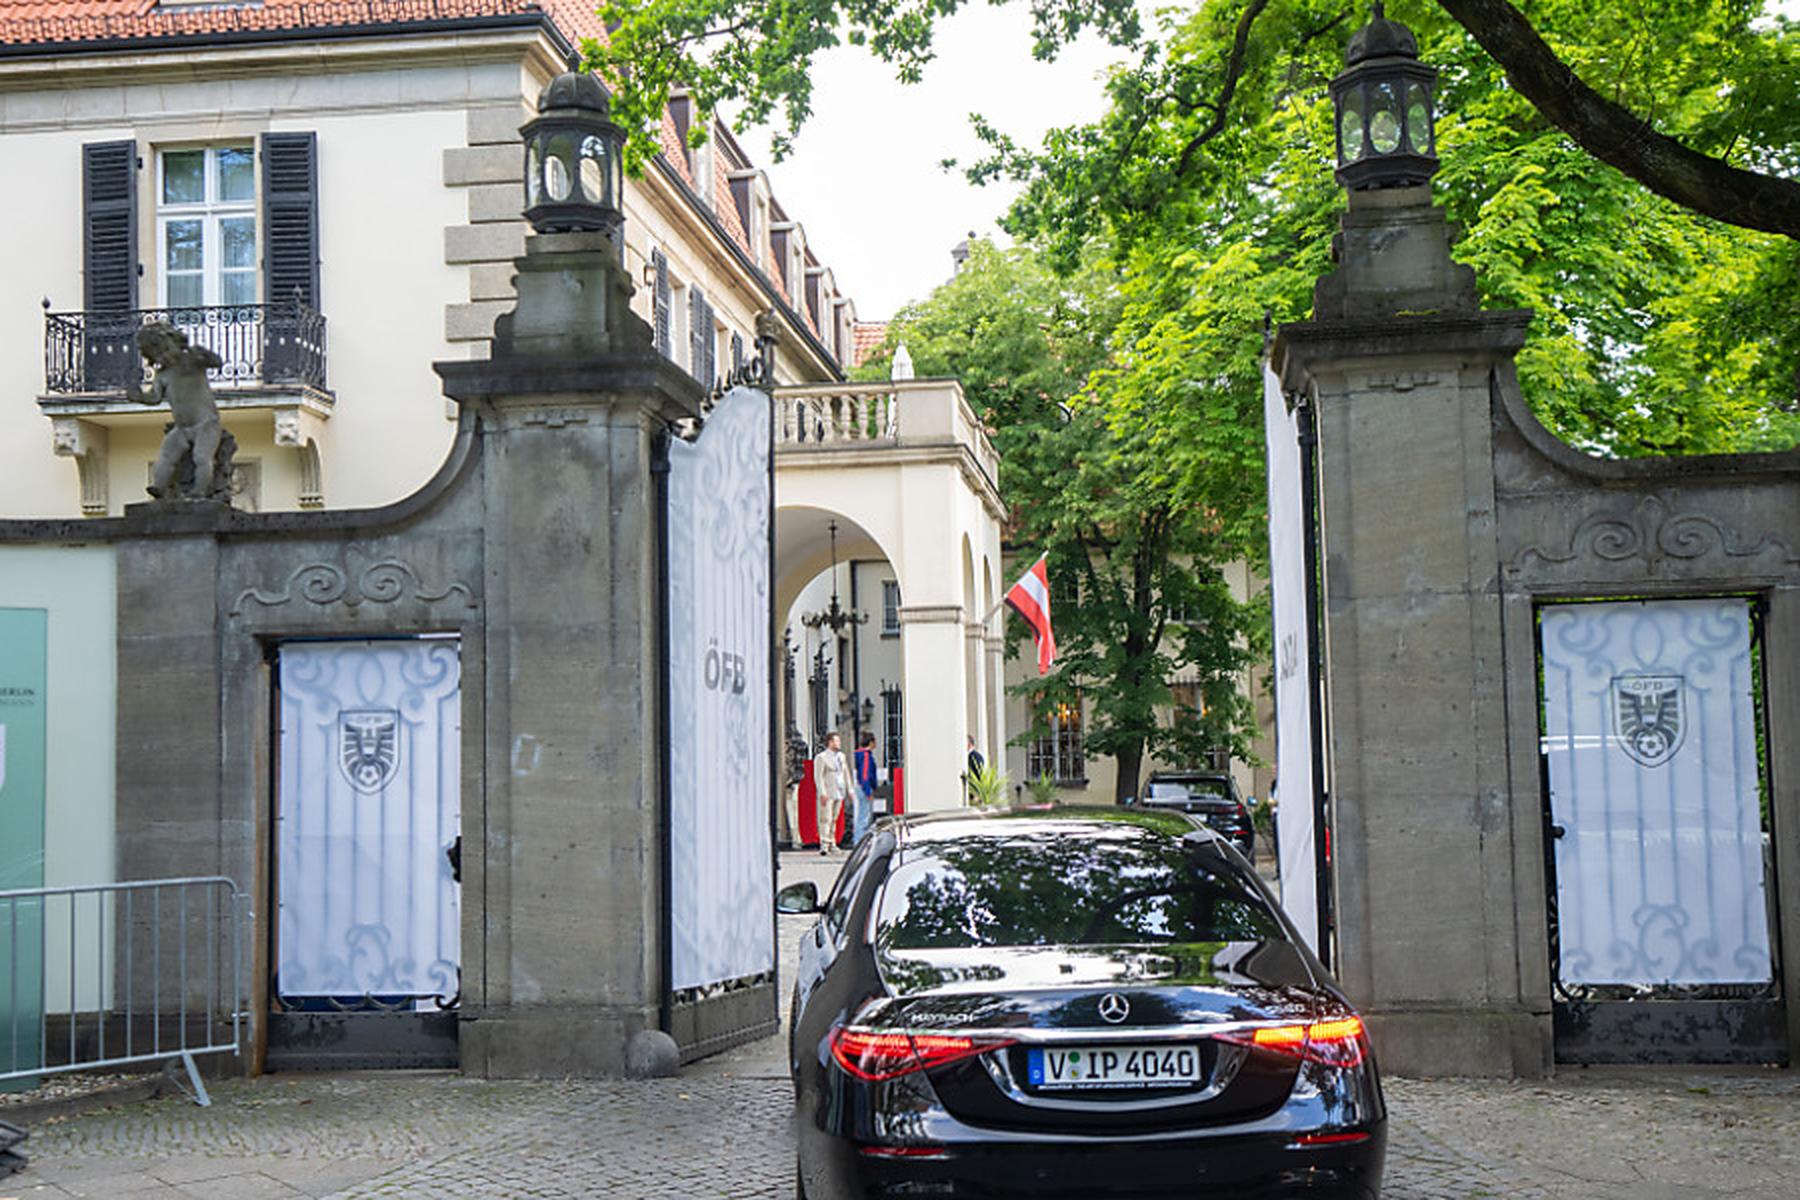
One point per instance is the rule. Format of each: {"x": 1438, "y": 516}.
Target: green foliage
{"x": 1210, "y": 190}
{"x": 1136, "y": 525}
{"x": 987, "y": 785}
{"x": 756, "y": 54}
{"x": 1657, "y": 331}
{"x": 1118, "y": 357}
{"x": 1042, "y": 789}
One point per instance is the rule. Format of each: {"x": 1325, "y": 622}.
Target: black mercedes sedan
{"x": 1070, "y": 1003}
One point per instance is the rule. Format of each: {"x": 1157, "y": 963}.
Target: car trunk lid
{"x": 1181, "y": 1005}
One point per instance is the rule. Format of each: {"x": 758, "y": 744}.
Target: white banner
{"x": 370, "y": 804}
{"x": 1293, "y": 700}
{"x": 721, "y": 874}
{"x": 1650, "y": 736}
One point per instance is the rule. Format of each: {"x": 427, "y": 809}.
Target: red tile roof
{"x": 865, "y": 337}
{"x": 51, "y": 22}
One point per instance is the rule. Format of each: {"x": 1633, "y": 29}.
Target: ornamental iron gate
{"x": 368, "y": 928}
{"x": 1656, "y": 804}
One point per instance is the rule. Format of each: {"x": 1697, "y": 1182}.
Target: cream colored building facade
{"x": 333, "y": 209}
{"x": 417, "y": 194}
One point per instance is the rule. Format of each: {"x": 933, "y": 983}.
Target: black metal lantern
{"x": 573, "y": 158}
{"x": 1382, "y": 102}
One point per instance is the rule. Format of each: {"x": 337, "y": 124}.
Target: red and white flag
{"x": 1030, "y": 598}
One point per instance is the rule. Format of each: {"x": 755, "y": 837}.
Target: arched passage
{"x": 915, "y": 490}
{"x": 837, "y": 594}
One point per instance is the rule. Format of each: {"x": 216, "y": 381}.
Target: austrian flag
{"x": 1030, "y": 598}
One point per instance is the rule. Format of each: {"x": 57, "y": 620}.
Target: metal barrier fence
{"x": 117, "y": 974}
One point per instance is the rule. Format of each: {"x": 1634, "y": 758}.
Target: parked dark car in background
{"x": 1070, "y": 1003}
{"x": 1212, "y": 796}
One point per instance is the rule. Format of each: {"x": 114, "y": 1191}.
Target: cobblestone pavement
{"x": 722, "y": 1130}
{"x": 1587, "y": 1136}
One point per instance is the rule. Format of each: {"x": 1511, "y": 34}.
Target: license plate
{"x": 1113, "y": 1067}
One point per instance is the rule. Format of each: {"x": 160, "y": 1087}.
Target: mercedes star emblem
{"x": 1114, "y": 1008}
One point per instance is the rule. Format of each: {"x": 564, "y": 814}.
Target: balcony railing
{"x": 883, "y": 414}
{"x": 258, "y": 345}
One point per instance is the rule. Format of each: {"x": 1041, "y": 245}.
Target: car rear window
{"x": 1112, "y": 888}
{"x": 1169, "y": 790}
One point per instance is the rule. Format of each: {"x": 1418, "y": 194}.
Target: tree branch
{"x": 1615, "y": 135}
{"x": 1234, "y": 70}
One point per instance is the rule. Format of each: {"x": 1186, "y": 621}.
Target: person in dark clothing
{"x": 866, "y": 780}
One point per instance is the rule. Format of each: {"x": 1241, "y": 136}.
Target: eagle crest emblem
{"x": 369, "y": 747}
{"x": 1648, "y": 717}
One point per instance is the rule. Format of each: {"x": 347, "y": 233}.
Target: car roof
{"x": 958, "y": 824}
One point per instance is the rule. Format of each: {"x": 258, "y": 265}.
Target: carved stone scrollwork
{"x": 360, "y": 578}
{"x": 1653, "y": 532}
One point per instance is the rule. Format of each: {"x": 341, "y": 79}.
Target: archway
{"x": 838, "y": 594}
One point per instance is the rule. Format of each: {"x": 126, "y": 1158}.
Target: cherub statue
{"x": 195, "y": 461}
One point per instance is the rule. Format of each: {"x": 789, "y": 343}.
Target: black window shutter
{"x": 737, "y": 355}
{"x": 109, "y": 221}
{"x": 660, "y": 303}
{"x": 711, "y": 378}
{"x": 290, "y": 181}
{"x": 697, "y": 333}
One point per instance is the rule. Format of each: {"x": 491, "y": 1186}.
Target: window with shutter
{"x": 737, "y": 355}
{"x": 206, "y": 230}
{"x": 660, "y": 303}
{"x": 711, "y": 378}
{"x": 699, "y": 333}
{"x": 290, "y": 179}
{"x": 109, "y": 219}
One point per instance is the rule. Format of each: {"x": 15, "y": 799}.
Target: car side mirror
{"x": 1129, "y": 802}
{"x": 798, "y": 899}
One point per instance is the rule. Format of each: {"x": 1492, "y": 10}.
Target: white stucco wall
{"x": 419, "y": 165}
{"x": 42, "y": 259}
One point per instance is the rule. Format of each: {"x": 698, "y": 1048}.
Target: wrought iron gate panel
{"x": 368, "y": 826}
{"x": 1661, "y": 923}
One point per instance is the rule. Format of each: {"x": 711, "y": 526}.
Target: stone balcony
{"x": 272, "y": 369}
{"x": 881, "y": 423}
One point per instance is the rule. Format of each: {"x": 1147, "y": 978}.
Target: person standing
{"x": 866, "y": 780}
{"x": 971, "y": 769}
{"x": 831, "y": 778}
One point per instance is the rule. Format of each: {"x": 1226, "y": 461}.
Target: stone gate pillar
{"x": 1399, "y": 363}
{"x": 562, "y": 864}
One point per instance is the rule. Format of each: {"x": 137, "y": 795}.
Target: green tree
{"x": 1659, "y": 330}
{"x": 757, "y": 53}
{"x": 1139, "y": 599}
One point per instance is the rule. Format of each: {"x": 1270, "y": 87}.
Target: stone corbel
{"x": 299, "y": 429}
{"x": 312, "y": 480}
{"x": 87, "y": 444}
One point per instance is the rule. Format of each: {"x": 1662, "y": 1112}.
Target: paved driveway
{"x": 722, "y": 1130}
{"x": 1590, "y": 1136}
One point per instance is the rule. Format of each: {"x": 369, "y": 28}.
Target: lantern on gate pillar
{"x": 1383, "y": 105}
{"x": 573, "y": 159}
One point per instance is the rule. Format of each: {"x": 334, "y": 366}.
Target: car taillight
{"x": 878, "y": 1055}
{"x": 1340, "y": 1042}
